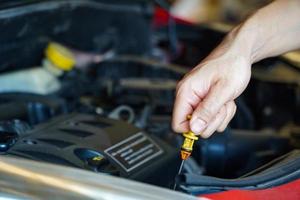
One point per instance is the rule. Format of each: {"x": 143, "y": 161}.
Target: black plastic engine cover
{"x": 101, "y": 145}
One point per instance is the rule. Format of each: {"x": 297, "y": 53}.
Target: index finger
{"x": 184, "y": 105}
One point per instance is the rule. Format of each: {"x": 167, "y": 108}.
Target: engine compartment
{"x": 129, "y": 90}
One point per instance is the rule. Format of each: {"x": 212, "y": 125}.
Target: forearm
{"x": 271, "y": 31}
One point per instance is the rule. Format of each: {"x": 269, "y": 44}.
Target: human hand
{"x": 208, "y": 91}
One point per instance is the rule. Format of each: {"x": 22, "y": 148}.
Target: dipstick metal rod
{"x": 186, "y": 148}
{"x": 179, "y": 172}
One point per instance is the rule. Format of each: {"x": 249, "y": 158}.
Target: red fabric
{"x": 161, "y": 17}
{"x": 289, "y": 191}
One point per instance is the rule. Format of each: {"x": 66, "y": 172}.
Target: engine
{"x": 112, "y": 112}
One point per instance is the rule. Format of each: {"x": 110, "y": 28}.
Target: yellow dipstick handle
{"x": 188, "y": 143}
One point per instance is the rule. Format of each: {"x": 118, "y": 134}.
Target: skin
{"x": 209, "y": 90}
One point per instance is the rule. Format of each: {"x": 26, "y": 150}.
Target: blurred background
{"x": 226, "y": 11}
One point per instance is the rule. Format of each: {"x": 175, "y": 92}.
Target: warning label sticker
{"x": 134, "y": 151}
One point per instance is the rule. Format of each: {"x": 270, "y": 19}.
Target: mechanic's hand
{"x": 209, "y": 90}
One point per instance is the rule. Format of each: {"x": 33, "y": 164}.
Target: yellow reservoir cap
{"x": 60, "y": 56}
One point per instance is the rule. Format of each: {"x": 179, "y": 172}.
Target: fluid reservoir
{"x": 42, "y": 79}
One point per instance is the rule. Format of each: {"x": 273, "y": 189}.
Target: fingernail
{"x": 198, "y": 125}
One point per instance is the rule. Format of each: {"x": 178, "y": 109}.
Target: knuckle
{"x": 205, "y": 113}
{"x": 221, "y": 129}
{"x": 229, "y": 89}
{"x": 234, "y": 111}
{"x": 234, "y": 107}
{"x": 231, "y": 107}
{"x": 179, "y": 84}
{"x": 175, "y": 127}
{"x": 223, "y": 111}
{"x": 206, "y": 135}
{"x": 181, "y": 87}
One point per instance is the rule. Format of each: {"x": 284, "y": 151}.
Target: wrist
{"x": 238, "y": 44}
{"x": 241, "y": 41}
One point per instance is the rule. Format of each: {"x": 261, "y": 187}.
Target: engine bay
{"x": 112, "y": 112}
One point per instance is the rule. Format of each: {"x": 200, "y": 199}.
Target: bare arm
{"x": 209, "y": 90}
{"x": 272, "y": 30}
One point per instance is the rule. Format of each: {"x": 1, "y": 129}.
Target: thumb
{"x": 218, "y": 95}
